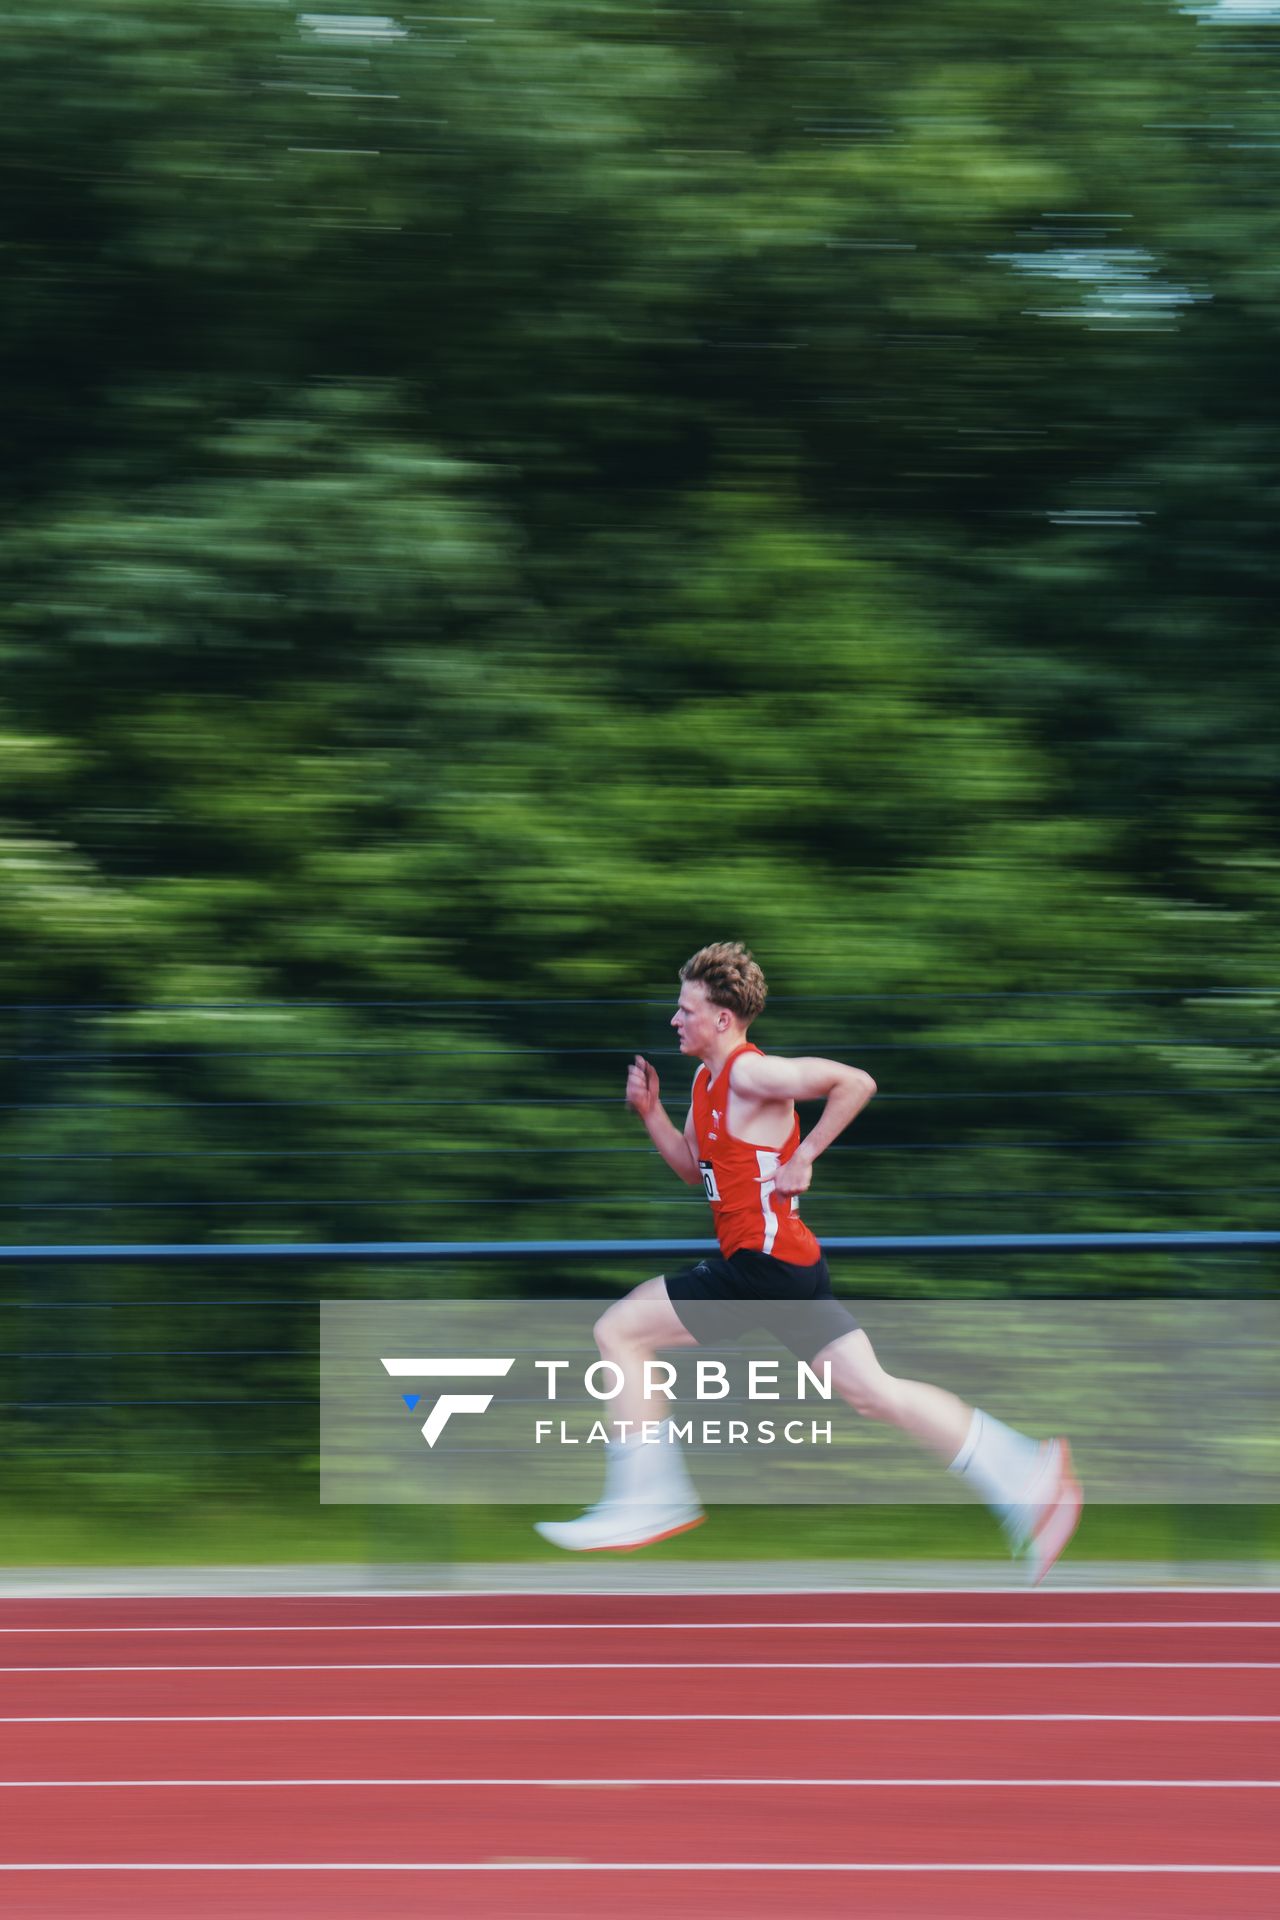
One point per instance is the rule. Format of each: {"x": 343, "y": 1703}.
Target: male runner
{"x": 741, "y": 1141}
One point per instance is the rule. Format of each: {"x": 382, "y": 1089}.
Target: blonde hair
{"x": 731, "y": 977}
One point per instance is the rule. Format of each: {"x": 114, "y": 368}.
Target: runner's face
{"x": 696, "y": 1021}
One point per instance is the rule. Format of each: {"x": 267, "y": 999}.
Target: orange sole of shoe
{"x": 1055, "y": 1535}
{"x": 637, "y": 1546}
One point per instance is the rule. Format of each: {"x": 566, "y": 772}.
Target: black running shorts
{"x": 718, "y": 1300}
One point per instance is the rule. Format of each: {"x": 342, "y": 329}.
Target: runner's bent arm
{"x": 846, "y": 1090}
{"x": 677, "y": 1149}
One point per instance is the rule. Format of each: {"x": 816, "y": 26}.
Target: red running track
{"x": 889, "y": 1754}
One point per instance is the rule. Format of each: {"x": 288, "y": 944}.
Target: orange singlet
{"x": 739, "y": 1178}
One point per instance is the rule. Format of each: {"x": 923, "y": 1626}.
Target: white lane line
{"x": 688, "y": 1666}
{"x": 674, "y": 1626}
{"x": 609, "y": 1719}
{"x": 615, "y": 1866}
{"x": 443, "y": 1595}
{"x": 697, "y": 1780}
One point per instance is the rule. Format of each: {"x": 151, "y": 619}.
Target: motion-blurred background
{"x": 497, "y": 499}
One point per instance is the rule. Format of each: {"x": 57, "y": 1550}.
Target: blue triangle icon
{"x": 410, "y": 1400}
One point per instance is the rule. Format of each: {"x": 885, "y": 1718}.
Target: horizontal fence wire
{"x": 831, "y": 1044}
{"x": 511, "y": 1003}
{"x": 276, "y": 1250}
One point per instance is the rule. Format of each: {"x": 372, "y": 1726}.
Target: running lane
{"x": 715, "y": 1754}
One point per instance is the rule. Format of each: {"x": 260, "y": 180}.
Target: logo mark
{"x": 449, "y": 1403}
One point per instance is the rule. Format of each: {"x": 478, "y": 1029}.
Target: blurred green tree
{"x": 492, "y": 503}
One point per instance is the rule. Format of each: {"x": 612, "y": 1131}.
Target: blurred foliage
{"x": 492, "y": 502}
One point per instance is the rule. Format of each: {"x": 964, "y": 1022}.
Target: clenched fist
{"x": 642, "y": 1087}
{"x": 794, "y": 1175}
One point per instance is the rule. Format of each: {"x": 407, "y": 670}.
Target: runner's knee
{"x": 617, "y": 1329}
{"x": 868, "y": 1389}
{"x": 605, "y": 1329}
{"x": 629, "y": 1324}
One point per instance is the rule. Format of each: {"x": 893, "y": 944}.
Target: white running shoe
{"x": 620, "y": 1526}
{"x": 1056, "y": 1513}
{"x": 648, "y": 1496}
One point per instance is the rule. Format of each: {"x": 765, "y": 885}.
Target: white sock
{"x": 651, "y": 1471}
{"x": 1000, "y": 1464}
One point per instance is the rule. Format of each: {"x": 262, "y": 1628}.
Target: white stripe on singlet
{"x": 768, "y": 1164}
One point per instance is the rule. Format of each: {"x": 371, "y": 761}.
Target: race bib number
{"x": 708, "y": 1173}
